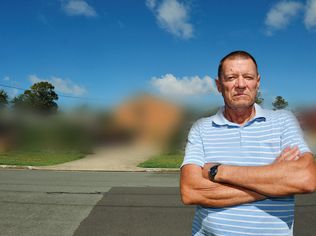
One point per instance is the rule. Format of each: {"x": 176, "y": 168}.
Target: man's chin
{"x": 241, "y": 104}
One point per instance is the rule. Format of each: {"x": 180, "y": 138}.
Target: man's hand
{"x": 288, "y": 154}
{"x": 286, "y": 176}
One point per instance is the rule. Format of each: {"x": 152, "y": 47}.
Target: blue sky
{"x": 110, "y": 50}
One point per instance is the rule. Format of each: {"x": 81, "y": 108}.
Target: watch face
{"x": 213, "y": 171}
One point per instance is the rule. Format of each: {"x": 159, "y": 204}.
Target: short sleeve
{"x": 292, "y": 134}
{"x": 194, "y": 150}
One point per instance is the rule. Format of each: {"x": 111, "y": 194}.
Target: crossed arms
{"x": 291, "y": 173}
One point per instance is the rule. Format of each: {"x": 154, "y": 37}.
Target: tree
{"x": 279, "y": 103}
{"x": 40, "y": 98}
{"x": 19, "y": 102}
{"x": 259, "y": 98}
{"x": 3, "y": 99}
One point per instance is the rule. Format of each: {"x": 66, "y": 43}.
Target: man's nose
{"x": 241, "y": 83}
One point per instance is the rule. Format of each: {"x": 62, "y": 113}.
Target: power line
{"x": 60, "y": 95}
{"x": 8, "y": 86}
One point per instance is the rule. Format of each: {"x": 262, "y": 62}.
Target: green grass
{"x": 38, "y": 158}
{"x": 163, "y": 161}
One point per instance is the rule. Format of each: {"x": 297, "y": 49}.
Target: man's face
{"x": 239, "y": 82}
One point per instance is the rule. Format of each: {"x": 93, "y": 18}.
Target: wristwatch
{"x": 213, "y": 171}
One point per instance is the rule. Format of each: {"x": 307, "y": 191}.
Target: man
{"x": 243, "y": 166}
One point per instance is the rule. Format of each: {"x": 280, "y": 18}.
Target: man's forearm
{"x": 277, "y": 179}
{"x": 197, "y": 190}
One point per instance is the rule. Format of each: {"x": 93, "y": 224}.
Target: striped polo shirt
{"x": 258, "y": 142}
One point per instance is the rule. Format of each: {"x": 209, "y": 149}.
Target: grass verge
{"x": 38, "y": 158}
{"x": 163, "y": 161}
{"x": 168, "y": 161}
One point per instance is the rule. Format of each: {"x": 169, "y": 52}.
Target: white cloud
{"x": 281, "y": 14}
{"x": 310, "y": 14}
{"x": 173, "y": 17}
{"x": 61, "y": 85}
{"x": 6, "y": 78}
{"x": 78, "y": 8}
{"x": 151, "y": 4}
{"x": 170, "y": 85}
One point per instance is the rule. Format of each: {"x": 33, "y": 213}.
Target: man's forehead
{"x": 234, "y": 63}
{"x": 237, "y": 59}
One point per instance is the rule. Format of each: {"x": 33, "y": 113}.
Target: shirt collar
{"x": 220, "y": 120}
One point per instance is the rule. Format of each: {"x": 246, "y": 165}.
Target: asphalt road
{"x": 56, "y": 202}
{"x": 105, "y": 203}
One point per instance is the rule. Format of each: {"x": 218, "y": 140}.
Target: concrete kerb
{"x": 15, "y": 167}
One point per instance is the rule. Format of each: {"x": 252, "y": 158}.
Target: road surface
{"x": 80, "y": 203}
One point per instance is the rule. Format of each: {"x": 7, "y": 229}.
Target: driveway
{"x": 110, "y": 158}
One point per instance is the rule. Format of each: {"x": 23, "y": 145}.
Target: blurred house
{"x": 146, "y": 119}
{"x": 307, "y": 120}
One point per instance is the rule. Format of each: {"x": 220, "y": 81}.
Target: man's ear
{"x": 218, "y": 85}
{"x": 258, "y": 84}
